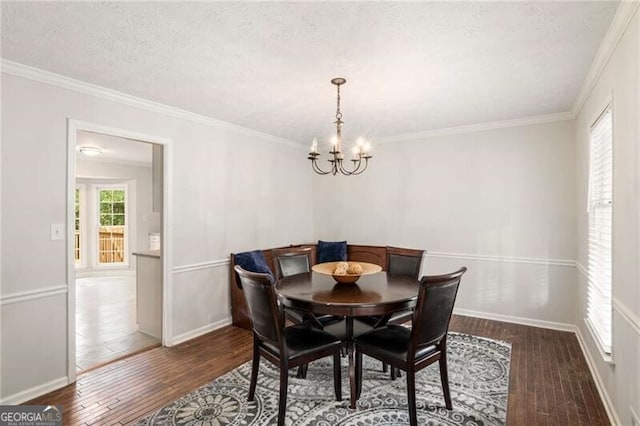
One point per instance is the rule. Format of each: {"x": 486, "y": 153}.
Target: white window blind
{"x": 600, "y": 206}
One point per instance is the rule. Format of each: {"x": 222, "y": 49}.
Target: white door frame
{"x": 72, "y": 131}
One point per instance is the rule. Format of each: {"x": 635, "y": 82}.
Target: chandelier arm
{"x": 346, "y": 172}
{"x": 317, "y": 169}
{"x": 357, "y": 163}
{"x": 366, "y": 163}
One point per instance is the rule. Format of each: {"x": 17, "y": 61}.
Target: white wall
{"x": 619, "y": 83}
{"x": 142, "y": 220}
{"x": 498, "y": 201}
{"x": 233, "y": 190}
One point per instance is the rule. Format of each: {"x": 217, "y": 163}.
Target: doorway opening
{"x": 116, "y": 264}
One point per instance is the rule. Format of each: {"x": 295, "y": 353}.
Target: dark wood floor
{"x": 550, "y": 383}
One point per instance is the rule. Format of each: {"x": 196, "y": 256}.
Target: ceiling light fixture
{"x": 90, "y": 151}
{"x": 361, "y": 152}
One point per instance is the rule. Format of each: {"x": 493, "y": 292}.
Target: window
{"x": 600, "y": 207}
{"x": 77, "y": 252}
{"x": 112, "y": 236}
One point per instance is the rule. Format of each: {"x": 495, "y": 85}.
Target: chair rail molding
{"x": 198, "y": 266}
{"x": 23, "y": 296}
{"x": 627, "y": 315}
{"x": 497, "y": 258}
{"x": 625, "y": 312}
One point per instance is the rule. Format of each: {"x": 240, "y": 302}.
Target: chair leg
{"x": 254, "y": 371}
{"x": 337, "y": 375}
{"x": 384, "y": 367}
{"x": 411, "y": 397}
{"x": 393, "y": 372}
{"x": 302, "y": 371}
{"x": 282, "y": 402}
{"x": 358, "y": 373}
{"x": 444, "y": 378}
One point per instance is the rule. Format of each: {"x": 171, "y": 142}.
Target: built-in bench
{"x": 355, "y": 253}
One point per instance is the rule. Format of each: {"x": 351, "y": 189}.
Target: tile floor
{"x": 106, "y": 326}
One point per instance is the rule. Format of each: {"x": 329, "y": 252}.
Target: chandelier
{"x": 361, "y": 153}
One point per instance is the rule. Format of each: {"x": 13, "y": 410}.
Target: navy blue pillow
{"x": 253, "y": 261}
{"x": 331, "y": 251}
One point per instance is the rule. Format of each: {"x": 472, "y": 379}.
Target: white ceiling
{"x": 410, "y": 66}
{"x": 115, "y": 149}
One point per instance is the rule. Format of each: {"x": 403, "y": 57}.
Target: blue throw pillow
{"x": 331, "y": 251}
{"x": 253, "y": 261}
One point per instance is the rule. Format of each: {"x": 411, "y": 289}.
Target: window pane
{"x": 118, "y": 208}
{"x": 105, "y": 208}
{"x": 106, "y": 195}
{"x": 118, "y": 195}
{"x": 118, "y": 219}
{"x": 105, "y": 220}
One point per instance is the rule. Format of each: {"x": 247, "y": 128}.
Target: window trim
{"x": 96, "y": 264}
{"x": 606, "y": 353}
{"x": 82, "y": 188}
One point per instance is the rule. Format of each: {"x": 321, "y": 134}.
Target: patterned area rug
{"x": 478, "y": 378}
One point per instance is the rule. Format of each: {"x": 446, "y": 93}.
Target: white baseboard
{"x": 516, "y": 320}
{"x": 614, "y": 419}
{"x": 192, "y": 334}
{"x": 34, "y": 392}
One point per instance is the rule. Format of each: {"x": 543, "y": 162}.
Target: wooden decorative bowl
{"x": 329, "y": 267}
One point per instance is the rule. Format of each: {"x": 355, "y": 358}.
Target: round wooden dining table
{"x": 376, "y": 294}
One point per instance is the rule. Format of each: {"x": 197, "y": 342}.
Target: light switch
{"x": 57, "y": 231}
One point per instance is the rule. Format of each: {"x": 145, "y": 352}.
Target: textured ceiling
{"x": 410, "y": 66}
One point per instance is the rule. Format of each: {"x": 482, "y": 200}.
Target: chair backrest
{"x": 262, "y": 304}
{"x": 401, "y": 261}
{"x": 287, "y": 263}
{"x": 436, "y": 298}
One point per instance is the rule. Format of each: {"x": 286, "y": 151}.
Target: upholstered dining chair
{"x": 285, "y": 347}
{"x": 400, "y": 261}
{"x": 294, "y": 261}
{"x": 425, "y": 343}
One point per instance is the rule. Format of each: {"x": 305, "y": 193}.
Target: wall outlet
{"x": 57, "y": 231}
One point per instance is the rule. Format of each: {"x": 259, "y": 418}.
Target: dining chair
{"x": 413, "y": 349}
{"x": 400, "y": 261}
{"x": 292, "y": 261}
{"x": 285, "y": 347}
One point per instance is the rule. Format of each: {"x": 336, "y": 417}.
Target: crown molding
{"x": 618, "y": 26}
{"x": 478, "y": 127}
{"x": 53, "y": 79}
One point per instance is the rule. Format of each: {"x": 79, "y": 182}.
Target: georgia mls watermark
{"x": 30, "y": 415}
